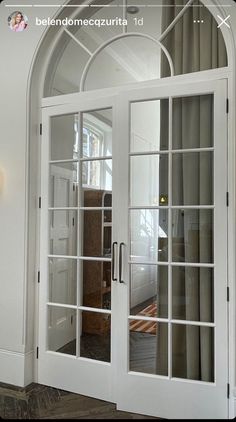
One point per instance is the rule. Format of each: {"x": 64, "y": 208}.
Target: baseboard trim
{"x": 16, "y": 368}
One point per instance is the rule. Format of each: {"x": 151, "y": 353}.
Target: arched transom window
{"x": 126, "y": 41}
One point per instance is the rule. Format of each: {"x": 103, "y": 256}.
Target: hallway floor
{"x": 41, "y": 402}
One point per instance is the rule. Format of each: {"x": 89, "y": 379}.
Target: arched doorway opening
{"x": 173, "y": 271}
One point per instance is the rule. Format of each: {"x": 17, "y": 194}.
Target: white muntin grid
{"x": 79, "y": 258}
{"x": 170, "y": 264}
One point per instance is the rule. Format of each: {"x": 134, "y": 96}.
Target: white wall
{"x": 16, "y": 340}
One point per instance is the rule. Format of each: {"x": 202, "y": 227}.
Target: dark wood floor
{"x": 41, "y": 402}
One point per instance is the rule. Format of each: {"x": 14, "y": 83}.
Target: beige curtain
{"x": 194, "y": 47}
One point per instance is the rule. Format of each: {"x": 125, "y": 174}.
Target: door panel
{"x": 76, "y": 248}
{"x": 172, "y": 356}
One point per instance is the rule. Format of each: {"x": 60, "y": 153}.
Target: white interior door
{"x": 133, "y": 293}
{"x": 172, "y": 293}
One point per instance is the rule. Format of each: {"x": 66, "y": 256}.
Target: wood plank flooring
{"x": 41, "y": 402}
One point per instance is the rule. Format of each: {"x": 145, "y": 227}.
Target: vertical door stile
{"x": 79, "y": 273}
{"x": 121, "y": 291}
{"x": 170, "y": 239}
{"x": 75, "y": 335}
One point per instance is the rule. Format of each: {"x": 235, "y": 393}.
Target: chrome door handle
{"x": 120, "y": 263}
{"x": 113, "y": 261}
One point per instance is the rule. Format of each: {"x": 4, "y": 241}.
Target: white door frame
{"x": 98, "y": 98}
{"x": 203, "y": 76}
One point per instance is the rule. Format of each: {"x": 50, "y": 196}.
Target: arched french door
{"x": 133, "y": 292}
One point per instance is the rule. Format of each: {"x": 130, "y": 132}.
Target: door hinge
{"x": 38, "y": 276}
{"x": 227, "y": 294}
{"x": 227, "y": 199}
{"x": 228, "y": 391}
{"x": 37, "y": 353}
{"x": 227, "y": 106}
{"x": 40, "y": 202}
{"x": 40, "y": 129}
{"x": 73, "y": 221}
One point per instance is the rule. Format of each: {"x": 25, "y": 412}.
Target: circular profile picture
{"x": 17, "y": 21}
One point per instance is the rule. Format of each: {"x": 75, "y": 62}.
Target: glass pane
{"x": 63, "y": 185}
{"x": 107, "y": 202}
{"x": 97, "y": 133}
{"x": 96, "y": 283}
{"x": 185, "y": 59}
{"x": 62, "y": 281}
{"x": 149, "y": 291}
{"x": 149, "y": 235}
{"x": 63, "y": 232}
{"x": 97, "y": 174}
{"x": 97, "y": 237}
{"x": 192, "y": 178}
{"x": 62, "y": 330}
{"x": 129, "y": 60}
{"x": 192, "y": 236}
{"x": 149, "y": 126}
{"x": 193, "y": 352}
{"x": 65, "y": 137}
{"x": 107, "y": 242}
{"x": 148, "y": 347}
{"x": 196, "y": 129}
{"x": 107, "y": 216}
{"x": 193, "y": 294}
{"x": 95, "y": 338}
{"x": 98, "y": 198}
{"x": 149, "y": 180}
{"x": 66, "y": 79}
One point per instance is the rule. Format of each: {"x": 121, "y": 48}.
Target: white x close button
{"x": 223, "y": 21}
